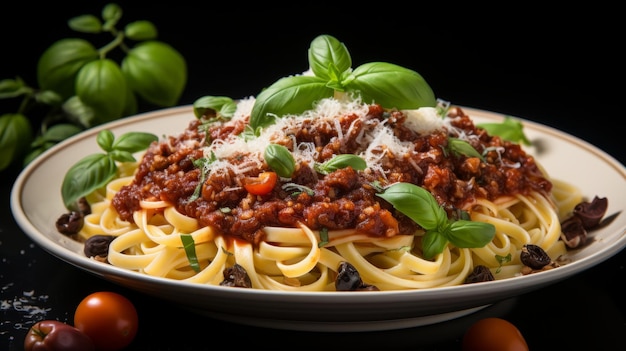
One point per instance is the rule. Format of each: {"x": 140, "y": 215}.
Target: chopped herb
{"x": 323, "y": 237}
{"x": 190, "y": 250}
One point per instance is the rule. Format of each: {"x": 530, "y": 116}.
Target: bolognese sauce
{"x": 342, "y": 199}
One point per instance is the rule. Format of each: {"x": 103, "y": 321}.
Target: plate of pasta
{"x": 293, "y": 269}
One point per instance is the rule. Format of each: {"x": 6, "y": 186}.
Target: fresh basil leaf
{"x": 15, "y": 137}
{"x": 289, "y": 95}
{"x": 190, "y": 250}
{"x": 391, "y": 86}
{"x": 462, "y": 147}
{"x": 87, "y": 175}
{"x": 326, "y": 51}
{"x": 339, "y": 162}
{"x": 122, "y": 156}
{"x": 280, "y": 159}
{"x": 510, "y": 129}
{"x": 60, "y": 132}
{"x": 10, "y": 88}
{"x": 112, "y": 12}
{"x": 101, "y": 85}
{"x": 105, "y": 140}
{"x": 156, "y": 72}
{"x": 85, "y": 24}
{"x": 134, "y": 141}
{"x": 79, "y": 113}
{"x": 48, "y": 97}
{"x": 221, "y": 106}
{"x": 59, "y": 65}
{"x": 470, "y": 234}
{"x": 433, "y": 244}
{"x": 141, "y": 30}
{"x": 416, "y": 203}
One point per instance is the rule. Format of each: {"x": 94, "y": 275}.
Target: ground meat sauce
{"x": 342, "y": 199}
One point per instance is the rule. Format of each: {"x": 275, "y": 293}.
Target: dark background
{"x": 558, "y": 66}
{"x": 561, "y": 67}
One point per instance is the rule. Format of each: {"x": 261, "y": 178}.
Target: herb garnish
{"x": 510, "y": 129}
{"x": 95, "y": 171}
{"x": 389, "y": 85}
{"x": 339, "y": 162}
{"x": 190, "y": 250}
{"x": 421, "y": 206}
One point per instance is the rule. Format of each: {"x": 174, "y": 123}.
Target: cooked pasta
{"x": 306, "y": 225}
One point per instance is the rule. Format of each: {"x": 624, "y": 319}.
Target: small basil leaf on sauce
{"x": 280, "y": 159}
{"x": 510, "y": 129}
{"x": 339, "y": 162}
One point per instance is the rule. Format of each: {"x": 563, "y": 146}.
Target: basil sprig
{"x": 421, "y": 206}
{"x": 95, "y": 171}
{"x": 387, "y": 84}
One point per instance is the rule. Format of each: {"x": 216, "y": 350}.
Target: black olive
{"x": 70, "y": 223}
{"x": 236, "y": 276}
{"x": 98, "y": 245}
{"x": 479, "y": 274}
{"x": 534, "y": 256}
{"x": 573, "y": 232}
{"x": 590, "y": 213}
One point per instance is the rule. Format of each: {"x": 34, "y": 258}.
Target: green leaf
{"x": 10, "y": 88}
{"x": 391, "y": 86}
{"x": 87, "y": 175}
{"x": 510, "y": 129}
{"x": 15, "y": 137}
{"x": 462, "y": 147}
{"x": 134, "y": 141}
{"x": 85, "y": 24}
{"x": 339, "y": 162}
{"x": 122, "y": 156}
{"x": 59, "y": 65}
{"x": 60, "y": 132}
{"x": 48, "y": 97}
{"x": 220, "y": 106}
{"x": 280, "y": 159}
{"x": 433, "y": 244}
{"x": 111, "y": 12}
{"x": 105, "y": 140}
{"x": 416, "y": 203}
{"x": 289, "y": 95}
{"x": 326, "y": 51}
{"x": 101, "y": 85}
{"x": 190, "y": 250}
{"x": 156, "y": 72}
{"x": 470, "y": 234}
{"x": 79, "y": 113}
{"x": 141, "y": 30}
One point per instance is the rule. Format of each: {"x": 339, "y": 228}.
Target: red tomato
{"x": 494, "y": 334}
{"x": 51, "y": 335}
{"x": 108, "y": 318}
{"x": 261, "y": 185}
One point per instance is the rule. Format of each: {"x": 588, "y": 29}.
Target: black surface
{"x": 551, "y": 67}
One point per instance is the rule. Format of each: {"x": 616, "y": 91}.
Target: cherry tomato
{"x": 261, "y": 185}
{"x": 51, "y": 335}
{"x": 494, "y": 334}
{"x": 108, "y": 318}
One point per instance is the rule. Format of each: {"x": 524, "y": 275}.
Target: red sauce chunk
{"x": 342, "y": 199}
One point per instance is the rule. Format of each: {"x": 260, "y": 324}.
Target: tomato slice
{"x": 261, "y": 185}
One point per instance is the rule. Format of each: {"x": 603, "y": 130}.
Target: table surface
{"x": 526, "y": 76}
